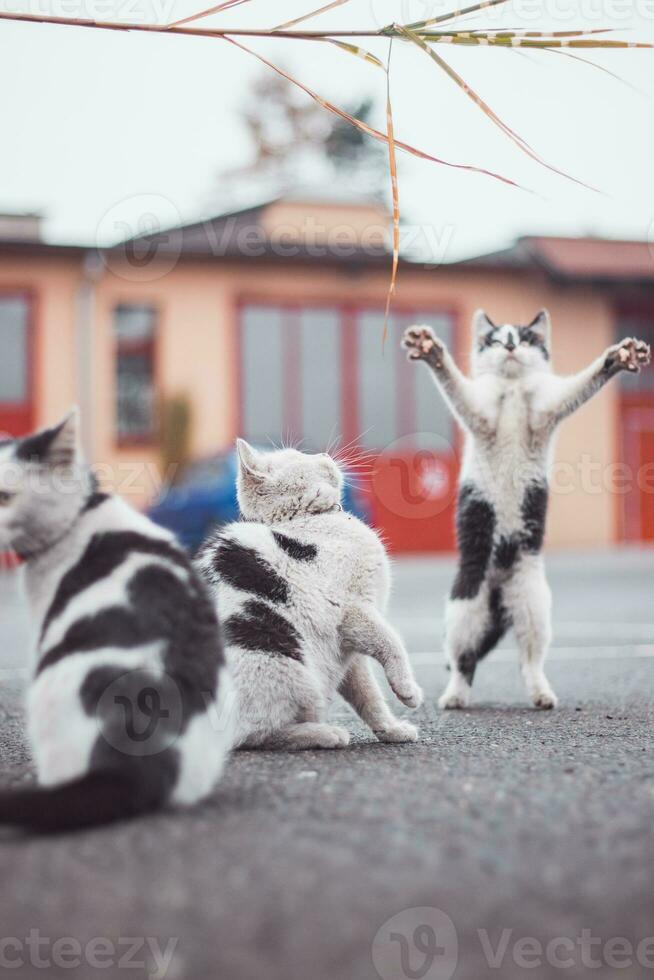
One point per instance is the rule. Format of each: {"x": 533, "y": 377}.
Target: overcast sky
{"x": 95, "y": 124}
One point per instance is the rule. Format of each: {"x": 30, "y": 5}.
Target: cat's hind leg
{"x": 529, "y": 600}
{"x": 309, "y": 735}
{"x": 360, "y": 689}
{"x": 472, "y": 628}
{"x": 364, "y": 630}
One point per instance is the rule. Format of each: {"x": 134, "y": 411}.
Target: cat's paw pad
{"x": 410, "y": 694}
{"x": 402, "y": 731}
{"x": 632, "y": 355}
{"x": 421, "y": 343}
{"x": 545, "y": 700}
{"x": 454, "y": 701}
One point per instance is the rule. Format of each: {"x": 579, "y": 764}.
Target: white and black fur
{"x": 126, "y": 705}
{"x": 301, "y": 589}
{"x": 509, "y": 408}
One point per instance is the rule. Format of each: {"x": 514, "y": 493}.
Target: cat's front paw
{"x": 409, "y": 694}
{"x": 629, "y": 355}
{"x": 401, "y": 731}
{"x": 422, "y": 344}
{"x": 545, "y": 700}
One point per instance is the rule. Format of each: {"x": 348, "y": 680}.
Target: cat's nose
{"x": 510, "y": 345}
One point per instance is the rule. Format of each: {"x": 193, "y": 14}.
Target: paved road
{"x": 507, "y": 844}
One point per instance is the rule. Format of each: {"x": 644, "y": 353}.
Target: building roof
{"x": 282, "y": 228}
{"x": 576, "y": 259}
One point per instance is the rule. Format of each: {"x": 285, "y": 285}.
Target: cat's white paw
{"x": 449, "y": 702}
{"x": 333, "y": 737}
{"x": 545, "y": 700}
{"x": 456, "y": 694}
{"x": 410, "y": 694}
{"x": 402, "y": 731}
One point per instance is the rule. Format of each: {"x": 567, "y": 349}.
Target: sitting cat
{"x": 125, "y": 707}
{"x": 510, "y": 409}
{"x": 301, "y": 588}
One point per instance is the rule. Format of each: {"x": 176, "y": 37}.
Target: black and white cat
{"x": 301, "y": 589}
{"x": 509, "y": 409}
{"x": 127, "y": 704}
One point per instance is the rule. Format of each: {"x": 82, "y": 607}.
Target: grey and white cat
{"x": 510, "y": 409}
{"x": 301, "y": 588}
{"x": 126, "y": 702}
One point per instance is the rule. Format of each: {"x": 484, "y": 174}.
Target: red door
{"x": 397, "y": 414}
{"x": 16, "y": 402}
{"x": 638, "y": 443}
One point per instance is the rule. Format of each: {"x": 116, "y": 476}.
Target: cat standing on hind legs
{"x": 509, "y": 408}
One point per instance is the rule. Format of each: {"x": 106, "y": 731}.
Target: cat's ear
{"x": 541, "y": 325}
{"x": 250, "y": 461}
{"x": 481, "y": 324}
{"x": 56, "y": 447}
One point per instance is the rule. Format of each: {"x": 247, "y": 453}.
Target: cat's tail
{"x": 97, "y": 798}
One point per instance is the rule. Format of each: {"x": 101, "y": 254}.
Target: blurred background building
{"x": 268, "y": 322}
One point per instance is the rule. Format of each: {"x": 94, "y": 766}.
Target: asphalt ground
{"x": 507, "y": 843}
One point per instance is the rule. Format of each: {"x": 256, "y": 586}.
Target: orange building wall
{"x": 197, "y": 355}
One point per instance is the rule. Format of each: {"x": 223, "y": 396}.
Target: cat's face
{"x": 508, "y": 350}
{"x": 43, "y": 483}
{"x": 274, "y": 486}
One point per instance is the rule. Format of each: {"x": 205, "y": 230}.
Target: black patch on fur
{"x": 506, "y": 551}
{"x": 161, "y": 608}
{"x": 294, "y": 548}
{"x": 95, "y": 497}
{"x": 118, "y": 787}
{"x": 258, "y": 627}
{"x": 94, "y": 500}
{"x": 245, "y": 570}
{"x": 498, "y": 624}
{"x": 104, "y": 553}
{"x": 534, "y": 339}
{"x": 487, "y": 339}
{"x": 475, "y": 525}
{"x": 534, "y": 513}
{"x": 37, "y": 447}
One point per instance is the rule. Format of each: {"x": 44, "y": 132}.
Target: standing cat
{"x": 510, "y": 409}
{"x": 125, "y": 707}
{"x": 301, "y": 588}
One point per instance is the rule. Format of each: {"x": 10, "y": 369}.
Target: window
{"x": 134, "y": 332}
{"x": 315, "y": 374}
{"x": 14, "y": 341}
{"x": 398, "y": 400}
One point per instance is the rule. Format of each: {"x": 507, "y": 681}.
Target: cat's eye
{"x": 6, "y": 498}
{"x": 497, "y": 343}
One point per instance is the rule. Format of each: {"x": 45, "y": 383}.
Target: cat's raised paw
{"x": 402, "y": 731}
{"x": 422, "y": 344}
{"x": 410, "y": 694}
{"x": 632, "y": 355}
